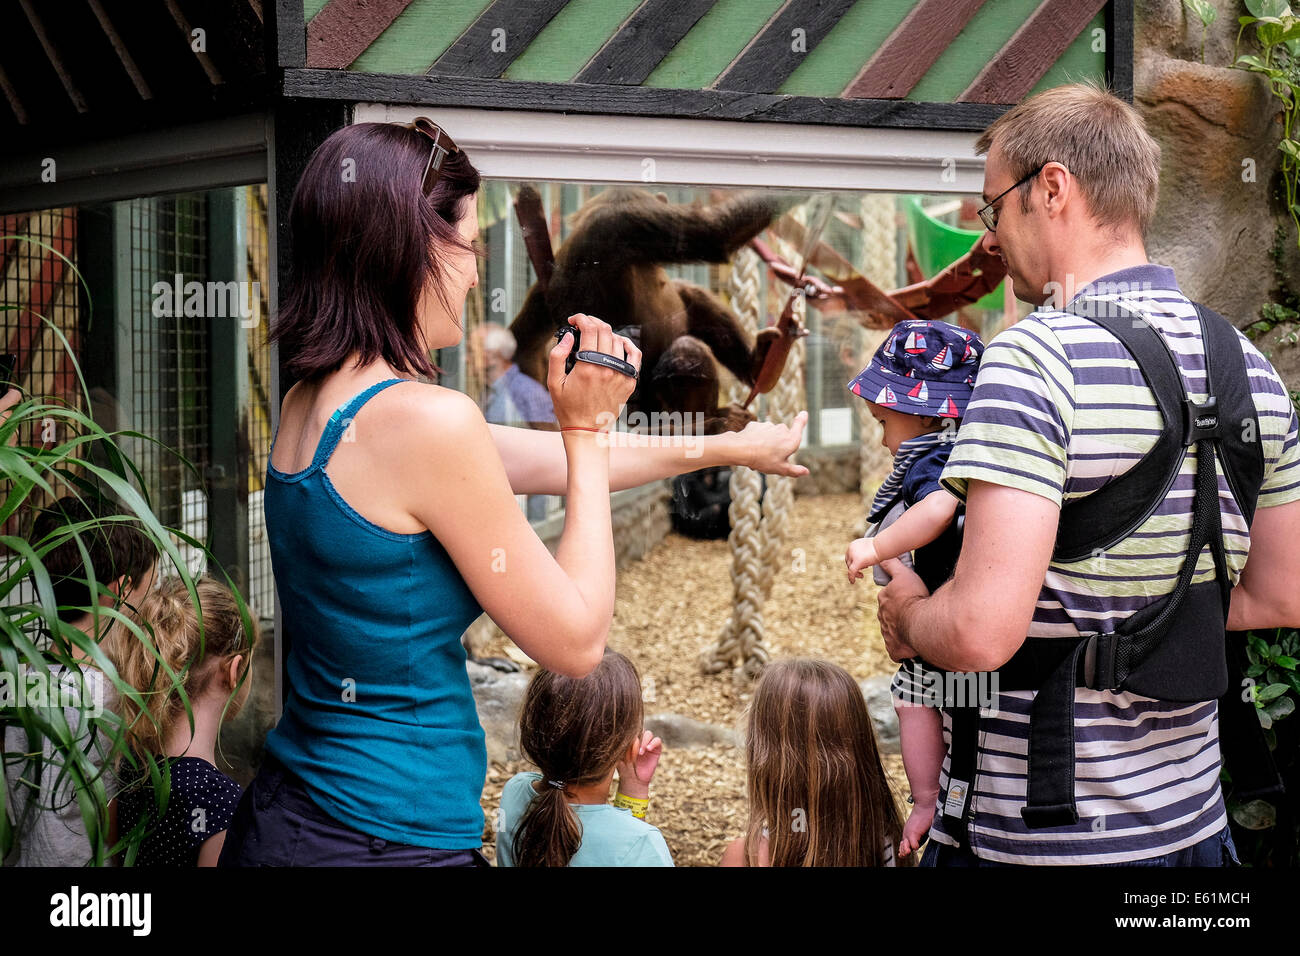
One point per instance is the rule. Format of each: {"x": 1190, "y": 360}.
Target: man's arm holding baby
{"x": 915, "y": 528}
{"x": 980, "y": 617}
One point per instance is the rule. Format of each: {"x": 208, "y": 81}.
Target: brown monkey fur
{"x": 611, "y": 266}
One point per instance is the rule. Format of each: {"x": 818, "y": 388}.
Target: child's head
{"x": 921, "y": 375}
{"x": 121, "y": 556}
{"x": 215, "y": 663}
{"x": 575, "y": 730}
{"x": 815, "y": 778}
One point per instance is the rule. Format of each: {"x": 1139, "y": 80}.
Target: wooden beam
{"x": 1119, "y": 48}
{"x": 56, "y": 61}
{"x": 290, "y": 35}
{"x": 343, "y": 30}
{"x": 346, "y": 86}
{"x": 494, "y": 40}
{"x": 11, "y": 95}
{"x": 915, "y": 45}
{"x": 187, "y": 31}
{"x": 773, "y": 55}
{"x": 119, "y": 47}
{"x": 1031, "y": 51}
{"x": 631, "y": 54}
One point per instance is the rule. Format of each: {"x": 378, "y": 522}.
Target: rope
{"x": 880, "y": 265}
{"x": 785, "y": 402}
{"x": 742, "y": 633}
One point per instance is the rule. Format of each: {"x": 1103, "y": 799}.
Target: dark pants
{"x": 278, "y": 824}
{"x": 1217, "y": 850}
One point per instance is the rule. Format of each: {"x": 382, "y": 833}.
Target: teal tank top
{"x": 379, "y": 720}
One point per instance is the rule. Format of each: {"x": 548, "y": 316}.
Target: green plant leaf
{"x": 1255, "y": 815}
{"x": 1268, "y": 8}
{"x": 1288, "y": 662}
{"x": 1251, "y": 62}
{"x": 1290, "y": 147}
{"x": 1281, "y": 708}
{"x": 1270, "y": 692}
{"x": 1204, "y": 10}
{"x": 1254, "y": 670}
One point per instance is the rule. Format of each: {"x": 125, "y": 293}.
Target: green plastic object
{"x": 938, "y": 245}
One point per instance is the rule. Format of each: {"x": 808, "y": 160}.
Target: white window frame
{"x": 537, "y": 146}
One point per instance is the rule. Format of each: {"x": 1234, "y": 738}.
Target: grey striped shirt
{"x": 1059, "y": 408}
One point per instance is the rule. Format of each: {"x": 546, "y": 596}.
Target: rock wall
{"x": 1215, "y": 223}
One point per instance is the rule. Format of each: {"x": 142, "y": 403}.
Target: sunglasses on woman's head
{"x": 443, "y": 146}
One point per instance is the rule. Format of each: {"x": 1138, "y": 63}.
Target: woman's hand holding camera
{"x": 590, "y": 396}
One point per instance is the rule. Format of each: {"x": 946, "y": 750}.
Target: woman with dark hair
{"x": 392, "y": 521}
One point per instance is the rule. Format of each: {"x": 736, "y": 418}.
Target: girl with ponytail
{"x": 212, "y": 662}
{"x": 579, "y": 732}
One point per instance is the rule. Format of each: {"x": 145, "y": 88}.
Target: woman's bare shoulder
{"x": 431, "y": 416}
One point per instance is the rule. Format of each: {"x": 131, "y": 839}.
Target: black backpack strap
{"x": 1225, "y": 425}
{"x": 1108, "y": 515}
{"x": 1241, "y": 448}
{"x": 963, "y": 753}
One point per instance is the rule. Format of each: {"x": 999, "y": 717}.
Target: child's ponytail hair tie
{"x": 557, "y": 784}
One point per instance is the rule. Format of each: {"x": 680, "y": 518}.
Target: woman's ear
{"x": 232, "y": 671}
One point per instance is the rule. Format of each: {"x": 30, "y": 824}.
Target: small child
{"x": 578, "y": 733}
{"x": 214, "y": 669}
{"x": 50, "y": 828}
{"x": 818, "y": 795}
{"x": 921, "y": 379}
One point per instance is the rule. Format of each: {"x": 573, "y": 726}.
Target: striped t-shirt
{"x": 1059, "y": 408}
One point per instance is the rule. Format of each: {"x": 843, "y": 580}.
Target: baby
{"x": 917, "y": 386}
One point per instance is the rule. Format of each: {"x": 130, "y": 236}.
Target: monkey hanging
{"x": 611, "y": 266}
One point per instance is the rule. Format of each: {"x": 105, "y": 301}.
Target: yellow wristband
{"x": 637, "y": 805}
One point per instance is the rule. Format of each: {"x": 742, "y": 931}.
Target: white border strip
{"x": 532, "y": 146}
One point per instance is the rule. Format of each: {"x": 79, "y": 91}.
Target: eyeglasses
{"x": 442, "y": 147}
{"x": 989, "y": 216}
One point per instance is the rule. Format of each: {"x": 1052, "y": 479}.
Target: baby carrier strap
{"x": 1136, "y": 657}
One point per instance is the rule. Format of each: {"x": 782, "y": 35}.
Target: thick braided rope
{"x": 786, "y": 401}
{"x": 744, "y": 626}
{"x": 880, "y": 265}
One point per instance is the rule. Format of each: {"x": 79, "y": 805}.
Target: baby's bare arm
{"x": 918, "y": 525}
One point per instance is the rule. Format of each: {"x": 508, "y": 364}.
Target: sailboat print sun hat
{"x": 922, "y": 368}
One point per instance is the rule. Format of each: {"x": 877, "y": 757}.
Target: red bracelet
{"x": 580, "y": 428}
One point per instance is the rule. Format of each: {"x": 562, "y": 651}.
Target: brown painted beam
{"x": 345, "y": 28}
{"x": 1031, "y": 51}
{"x": 915, "y": 45}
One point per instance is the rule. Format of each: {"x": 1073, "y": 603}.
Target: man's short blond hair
{"x": 1102, "y": 140}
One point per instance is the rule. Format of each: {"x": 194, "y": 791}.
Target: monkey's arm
{"x": 717, "y": 327}
{"x": 663, "y": 233}
{"x": 533, "y": 331}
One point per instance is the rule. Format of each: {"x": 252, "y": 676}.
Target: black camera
{"x": 593, "y": 358}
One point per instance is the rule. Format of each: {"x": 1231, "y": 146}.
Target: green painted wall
{"x": 424, "y": 31}
{"x": 831, "y": 67}
{"x": 970, "y": 52}
{"x": 566, "y": 43}
{"x": 710, "y": 46}
{"x": 420, "y": 34}
{"x": 1079, "y": 60}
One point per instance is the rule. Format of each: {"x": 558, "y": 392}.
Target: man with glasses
{"x": 1060, "y": 409}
